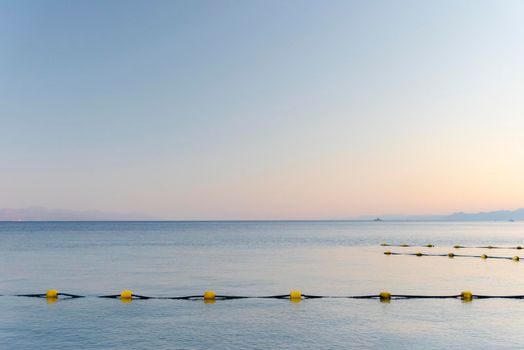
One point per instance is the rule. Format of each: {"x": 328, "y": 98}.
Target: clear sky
{"x": 262, "y": 109}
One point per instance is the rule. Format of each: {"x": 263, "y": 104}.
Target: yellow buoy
{"x": 451, "y": 255}
{"x": 466, "y": 296}
{"x": 295, "y": 295}
{"x": 51, "y": 294}
{"x": 385, "y": 296}
{"x": 457, "y": 246}
{"x": 404, "y": 245}
{"x": 515, "y": 258}
{"x": 209, "y": 295}
{"x": 429, "y": 245}
{"x": 387, "y": 252}
{"x": 384, "y": 244}
{"x": 483, "y": 256}
{"x": 418, "y": 254}
{"x": 126, "y": 295}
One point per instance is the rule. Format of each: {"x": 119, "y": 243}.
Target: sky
{"x": 203, "y": 110}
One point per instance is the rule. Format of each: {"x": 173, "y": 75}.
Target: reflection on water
{"x": 323, "y": 258}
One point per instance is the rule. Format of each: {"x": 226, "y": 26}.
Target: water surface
{"x": 256, "y": 258}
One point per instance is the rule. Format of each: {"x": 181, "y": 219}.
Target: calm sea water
{"x": 256, "y": 258}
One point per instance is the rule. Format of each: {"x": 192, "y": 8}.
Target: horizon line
{"x": 270, "y": 220}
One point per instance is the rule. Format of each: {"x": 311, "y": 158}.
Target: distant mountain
{"x": 499, "y": 215}
{"x": 44, "y": 214}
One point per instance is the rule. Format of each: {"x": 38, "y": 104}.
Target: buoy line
{"x": 453, "y": 255}
{"x": 53, "y": 295}
{"x": 456, "y": 246}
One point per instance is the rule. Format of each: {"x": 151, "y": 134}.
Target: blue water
{"x": 256, "y": 258}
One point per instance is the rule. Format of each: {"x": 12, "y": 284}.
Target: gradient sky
{"x": 262, "y": 109}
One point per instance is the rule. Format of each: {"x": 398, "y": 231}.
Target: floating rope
{"x": 457, "y": 246}
{"x": 295, "y": 296}
{"x": 453, "y": 255}
{"x": 406, "y": 245}
{"x": 51, "y": 294}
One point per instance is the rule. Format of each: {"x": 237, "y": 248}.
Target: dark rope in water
{"x": 455, "y": 246}
{"x": 43, "y": 295}
{"x": 286, "y": 296}
{"x": 453, "y": 255}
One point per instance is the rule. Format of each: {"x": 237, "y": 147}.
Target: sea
{"x": 259, "y": 258}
